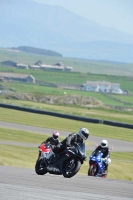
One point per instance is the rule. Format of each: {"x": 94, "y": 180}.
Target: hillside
{"x": 57, "y": 29}
{"x": 36, "y": 51}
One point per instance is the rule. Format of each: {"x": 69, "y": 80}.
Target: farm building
{"x": 8, "y": 63}
{"x": 52, "y": 67}
{"x": 17, "y": 77}
{"x": 21, "y": 66}
{"x": 35, "y": 67}
{"x": 102, "y": 86}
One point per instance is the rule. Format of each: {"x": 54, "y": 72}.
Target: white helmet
{"x": 83, "y": 133}
{"x": 104, "y": 143}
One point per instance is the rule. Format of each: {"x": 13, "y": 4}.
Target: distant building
{"x": 66, "y": 68}
{"x": 17, "y": 77}
{"x": 21, "y": 66}
{"x": 38, "y": 65}
{"x": 69, "y": 86}
{"x": 8, "y": 63}
{"x": 35, "y": 67}
{"x": 52, "y": 67}
{"x": 58, "y": 64}
{"x": 39, "y": 62}
{"x": 102, "y": 86}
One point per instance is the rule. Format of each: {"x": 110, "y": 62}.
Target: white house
{"x": 102, "y": 86}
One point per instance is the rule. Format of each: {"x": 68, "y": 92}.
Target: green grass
{"x": 21, "y": 136}
{"x": 98, "y": 113}
{"x": 7, "y": 134}
{"x": 39, "y": 92}
{"x": 59, "y": 77}
{"x": 57, "y": 123}
{"x": 79, "y": 65}
{"x": 24, "y": 157}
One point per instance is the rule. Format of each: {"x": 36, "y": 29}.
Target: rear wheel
{"x": 71, "y": 167}
{"x": 40, "y": 167}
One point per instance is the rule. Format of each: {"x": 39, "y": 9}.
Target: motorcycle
{"x": 66, "y": 163}
{"x": 97, "y": 166}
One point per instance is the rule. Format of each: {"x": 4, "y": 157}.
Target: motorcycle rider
{"x": 54, "y": 140}
{"x": 80, "y": 137}
{"x": 69, "y": 141}
{"x": 103, "y": 147}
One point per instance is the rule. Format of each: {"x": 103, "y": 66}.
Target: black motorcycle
{"x": 66, "y": 163}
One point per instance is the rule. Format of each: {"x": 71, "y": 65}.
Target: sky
{"x": 108, "y": 13}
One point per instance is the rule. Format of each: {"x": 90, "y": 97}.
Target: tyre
{"x": 92, "y": 170}
{"x": 89, "y": 172}
{"x": 40, "y": 167}
{"x": 71, "y": 167}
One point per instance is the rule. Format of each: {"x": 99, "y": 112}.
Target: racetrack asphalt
{"x": 25, "y": 184}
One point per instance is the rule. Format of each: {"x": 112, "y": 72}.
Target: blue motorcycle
{"x": 96, "y": 165}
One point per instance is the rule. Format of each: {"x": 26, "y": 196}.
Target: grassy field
{"x": 15, "y": 89}
{"x": 79, "y": 65}
{"x": 84, "y": 70}
{"x": 98, "y": 113}
{"x": 57, "y": 123}
{"x": 59, "y": 77}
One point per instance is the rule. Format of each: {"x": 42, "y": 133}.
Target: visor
{"x": 103, "y": 144}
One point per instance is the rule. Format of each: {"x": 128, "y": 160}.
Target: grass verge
{"x": 57, "y": 123}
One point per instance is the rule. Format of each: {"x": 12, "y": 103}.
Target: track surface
{"x": 118, "y": 145}
{"x": 24, "y": 184}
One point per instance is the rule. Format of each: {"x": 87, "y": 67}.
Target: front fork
{"x": 44, "y": 161}
{"x": 39, "y": 154}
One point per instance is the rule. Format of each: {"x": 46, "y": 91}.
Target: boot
{"x": 106, "y": 169}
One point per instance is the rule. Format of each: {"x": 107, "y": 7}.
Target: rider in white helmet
{"x": 69, "y": 141}
{"x": 103, "y": 147}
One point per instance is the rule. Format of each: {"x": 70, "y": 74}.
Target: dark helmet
{"x": 83, "y": 133}
{"x": 55, "y": 135}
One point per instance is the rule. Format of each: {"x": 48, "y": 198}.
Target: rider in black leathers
{"x": 54, "y": 140}
{"x": 69, "y": 141}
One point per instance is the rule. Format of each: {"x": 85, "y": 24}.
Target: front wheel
{"x": 92, "y": 170}
{"x": 71, "y": 167}
{"x": 40, "y": 167}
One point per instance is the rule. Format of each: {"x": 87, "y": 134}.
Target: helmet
{"x": 55, "y": 135}
{"x": 83, "y": 133}
{"x": 104, "y": 143}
